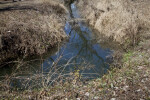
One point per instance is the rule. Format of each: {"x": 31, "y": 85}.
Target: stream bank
{"x": 130, "y": 81}
{"x": 82, "y": 54}
{"x": 30, "y": 27}
{"x": 80, "y": 59}
{"x": 123, "y": 21}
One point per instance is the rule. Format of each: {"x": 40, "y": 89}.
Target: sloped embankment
{"x": 122, "y": 20}
{"x": 30, "y": 27}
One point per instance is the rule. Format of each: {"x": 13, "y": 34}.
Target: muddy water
{"x": 81, "y": 54}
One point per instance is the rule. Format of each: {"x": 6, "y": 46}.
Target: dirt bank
{"x": 122, "y": 20}
{"x": 30, "y": 27}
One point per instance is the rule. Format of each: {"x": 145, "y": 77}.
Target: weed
{"x": 127, "y": 56}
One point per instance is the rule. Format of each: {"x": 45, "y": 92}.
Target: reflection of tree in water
{"x": 82, "y": 38}
{"x": 83, "y": 44}
{"x": 79, "y": 53}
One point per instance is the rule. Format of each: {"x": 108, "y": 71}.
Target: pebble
{"x": 138, "y": 90}
{"x": 29, "y": 97}
{"x": 142, "y": 81}
{"x": 96, "y": 98}
{"x": 87, "y": 94}
{"x": 112, "y": 85}
{"x": 140, "y": 67}
{"x": 78, "y": 98}
{"x": 146, "y": 88}
{"x": 113, "y": 99}
{"x": 8, "y": 31}
{"x": 125, "y": 88}
{"x": 116, "y": 88}
{"x": 141, "y": 99}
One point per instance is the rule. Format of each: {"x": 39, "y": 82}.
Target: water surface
{"x": 81, "y": 53}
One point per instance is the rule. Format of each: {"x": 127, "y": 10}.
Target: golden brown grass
{"x": 122, "y": 20}
{"x": 31, "y": 27}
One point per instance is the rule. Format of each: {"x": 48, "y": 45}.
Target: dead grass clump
{"x": 122, "y": 20}
{"x": 31, "y": 27}
{"x": 118, "y": 26}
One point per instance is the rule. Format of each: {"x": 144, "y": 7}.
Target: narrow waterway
{"x": 80, "y": 54}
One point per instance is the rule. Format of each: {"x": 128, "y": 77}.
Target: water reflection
{"x": 82, "y": 48}
{"x": 81, "y": 52}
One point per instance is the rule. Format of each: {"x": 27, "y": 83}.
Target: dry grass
{"x": 31, "y": 27}
{"x": 131, "y": 82}
{"x": 55, "y": 83}
{"x": 122, "y": 20}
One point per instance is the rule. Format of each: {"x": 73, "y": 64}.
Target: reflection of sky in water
{"x": 80, "y": 46}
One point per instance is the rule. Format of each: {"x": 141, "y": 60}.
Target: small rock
{"x": 125, "y": 88}
{"x": 66, "y": 98}
{"x": 145, "y": 75}
{"x": 112, "y": 85}
{"x": 8, "y": 31}
{"x": 116, "y": 88}
{"x": 140, "y": 67}
{"x": 142, "y": 81}
{"x": 145, "y": 88}
{"x": 138, "y": 90}
{"x": 29, "y": 97}
{"x": 96, "y": 98}
{"x": 113, "y": 99}
{"x": 141, "y": 99}
{"x": 78, "y": 98}
{"x": 87, "y": 94}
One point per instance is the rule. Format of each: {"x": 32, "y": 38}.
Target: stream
{"x": 81, "y": 54}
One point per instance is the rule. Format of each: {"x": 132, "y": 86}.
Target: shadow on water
{"x": 82, "y": 52}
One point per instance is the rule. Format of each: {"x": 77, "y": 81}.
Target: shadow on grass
{"x": 17, "y": 8}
